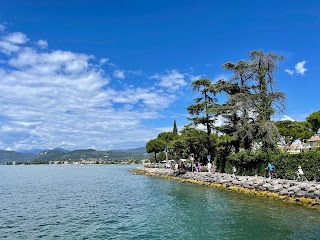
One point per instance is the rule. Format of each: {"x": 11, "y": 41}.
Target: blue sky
{"x": 113, "y": 74}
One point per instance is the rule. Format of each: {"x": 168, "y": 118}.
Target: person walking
{"x": 234, "y": 171}
{"x": 209, "y": 166}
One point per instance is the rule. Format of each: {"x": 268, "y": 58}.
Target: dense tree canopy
{"x": 247, "y": 133}
{"x": 314, "y": 121}
{"x": 291, "y": 131}
{"x": 156, "y": 146}
{"x": 204, "y": 108}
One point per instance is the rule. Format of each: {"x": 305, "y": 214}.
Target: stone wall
{"x": 307, "y": 193}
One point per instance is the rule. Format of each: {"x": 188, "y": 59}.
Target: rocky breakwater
{"x": 306, "y": 193}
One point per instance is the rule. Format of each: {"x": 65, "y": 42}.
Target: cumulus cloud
{"x": 11, "y": 42}
{"x": 172, "y": 80}
{"x": 285, "y": 117}
{"x": 16, "y": 38}
{"x": 42, "y": 43}
{"x": 299, "y": 67}
{"x": 55, "y": 98}
{"x": 290, "y": 72}
{"x": 119, "y": 74}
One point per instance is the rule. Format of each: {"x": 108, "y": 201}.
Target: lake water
{"x": 110, "y": 202}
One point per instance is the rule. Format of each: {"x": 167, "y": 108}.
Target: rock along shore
{"x": 305, "y": 193}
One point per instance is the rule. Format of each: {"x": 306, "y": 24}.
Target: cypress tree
{"x": 175, "y": 129}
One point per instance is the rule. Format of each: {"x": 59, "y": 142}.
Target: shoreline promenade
{"x": 303, "y": 193}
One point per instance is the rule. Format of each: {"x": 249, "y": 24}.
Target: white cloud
{"x": 220, "y": 121}
{"x": 299, "y": 67}
{"x": 285, "y": 117}
{"x": 119, "y": 74}
{"x": 16, "y": 38}
{"x": 173, "y": 80}
{"x": 193, "y": 78}
{"x": 8, "y": 48}
{"x": 147, "y": 97}
{"x": 42, "y": 43}
{"x": 291, "y": 72}
{"x": 63, "y": 99}
{"x": 103, "y": 61}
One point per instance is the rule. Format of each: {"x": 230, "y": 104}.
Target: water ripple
{"x": 109, "y": 202}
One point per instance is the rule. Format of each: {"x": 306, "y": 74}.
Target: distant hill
{"x": 33, "y": 151}
{"x": 10, "y": 156}
{"x": 67, "y": 155}
{"x": 133, "y": 150}
{"x": 89, "y": 154}
{"x": 37, "y": 151}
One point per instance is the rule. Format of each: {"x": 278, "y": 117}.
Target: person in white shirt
{"x": 209, "y": 166}
{"x": 299, "y": 172}
{"x": 234, "y": 171}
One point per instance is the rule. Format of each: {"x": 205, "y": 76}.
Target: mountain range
{"x": 45, "y": 155}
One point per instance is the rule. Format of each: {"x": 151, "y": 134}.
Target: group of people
{"x": 271, "y": 169}
{"x": 211, "y": 167}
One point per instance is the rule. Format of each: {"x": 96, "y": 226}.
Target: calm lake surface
{"x": 110, "y": 202}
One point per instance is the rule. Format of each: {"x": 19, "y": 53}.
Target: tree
{"x": 179, "y": 147}
{"x": 204, "y": 108}
{"x": 266, "y": 98}
{"x": 291, "y": 131}
{"x": 263, "y": 67}
{"x": 175, "y": 129}
{"x": 166, "y": 137}
{"x": 236, "y": 110}
{"x": 314, "y": 121}
{"x": 156, "y": 146}
{"x": 195, "y": 142}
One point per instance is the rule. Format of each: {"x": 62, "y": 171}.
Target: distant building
{"x": 293, "y": 148}
{"x": 297, "y": 147}
{"x": 312, "y": 143}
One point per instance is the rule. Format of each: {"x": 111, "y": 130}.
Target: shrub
{"x": 251, "y": 163}
{"x": 287, "y": 164}
{"x": 248, "y": 162}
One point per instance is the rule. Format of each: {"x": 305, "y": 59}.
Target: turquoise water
{"x": 110, "y": 202}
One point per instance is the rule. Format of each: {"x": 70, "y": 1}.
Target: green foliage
{"x": 251, "y": 101}
{"x": 205, "y": 107}
{"x": 166, "y": 136}
{"x": 314, "y": 121}
{"x": 195, "y": 142}
{"x": 248, "y": 162}
{"x": 291, "y": 131}
{"x": 175, "y": 129}
{"x": 161, "y": 156}
{"x": 252, "y": 163}
{"x": 155, "y": 145}
{"x": 179, "y": 148}
{"x": 287, "y": 164}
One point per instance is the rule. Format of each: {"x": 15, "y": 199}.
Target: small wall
{"x": 307, "y": 193}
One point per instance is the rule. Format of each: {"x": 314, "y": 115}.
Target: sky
{"x": 114, "y": 74}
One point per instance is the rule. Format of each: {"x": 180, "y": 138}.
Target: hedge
{"x": 254, "y": 163}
